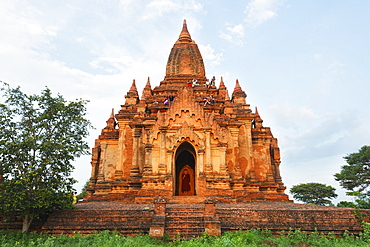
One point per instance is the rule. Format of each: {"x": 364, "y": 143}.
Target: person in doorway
{"x": 185, "y": 182}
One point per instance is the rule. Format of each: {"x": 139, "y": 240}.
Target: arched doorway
{"x": 185, "y": 170}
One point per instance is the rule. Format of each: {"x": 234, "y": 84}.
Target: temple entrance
{"x": 185, "y": 170}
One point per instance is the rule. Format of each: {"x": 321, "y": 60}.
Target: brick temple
{"x": 186, "y": 137}
{"x": 187, "y": 158}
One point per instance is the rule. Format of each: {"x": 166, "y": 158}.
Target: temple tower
{"x": 186, "y": 137}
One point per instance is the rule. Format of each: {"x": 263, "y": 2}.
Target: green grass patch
{"x": 228, "y": 239}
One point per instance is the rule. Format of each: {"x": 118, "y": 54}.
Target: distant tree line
{"x": 354, "y": 177}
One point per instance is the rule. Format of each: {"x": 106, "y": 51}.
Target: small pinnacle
{"x": 185, "y": 35}
{"x": 133, "y": 88}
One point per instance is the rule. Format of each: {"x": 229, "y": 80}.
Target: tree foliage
{"x": 345, "y": 204}
{"x": 315, "y": 193}
{"x": 40, "y": 136}
{"x": 83, "y": 191}
{"x": 355, "y": 176}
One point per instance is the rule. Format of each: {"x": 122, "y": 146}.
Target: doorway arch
{"x": 185, "y": 170}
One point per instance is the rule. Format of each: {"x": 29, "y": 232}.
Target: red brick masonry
{"x": 193, "y": 219}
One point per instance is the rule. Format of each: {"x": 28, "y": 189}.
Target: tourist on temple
{"x": 213, "y": 82}
{"x": 211, "y": 99}
{"x": 206, "y": 101}
{"x": 171, "y": 98}
{"x": 195, "y": 82}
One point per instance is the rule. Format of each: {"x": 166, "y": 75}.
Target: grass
{"x": 229, "y": 239}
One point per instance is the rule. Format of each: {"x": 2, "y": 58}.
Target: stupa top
{"x": 184, "y": 35}
{"x": 185, "y": 62}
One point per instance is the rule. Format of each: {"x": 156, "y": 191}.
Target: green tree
{"x": 83, "y": 191}
{"x": 40, "y": 136}
{"x": 355, "y": 176}
{"x": 345, "y": 204}
{"x": 315, "y": 193}
{"x": 361, "y": 200}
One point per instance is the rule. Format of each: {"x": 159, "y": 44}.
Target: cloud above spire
{"x": 158, "y": 8}
{"x": 260, "y": 11}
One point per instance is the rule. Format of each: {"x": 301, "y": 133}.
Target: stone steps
{"x": 187, "y": 200}
{"x": 184, "y": 221}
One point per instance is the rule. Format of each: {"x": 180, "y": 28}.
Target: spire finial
{"x": 111, "y": 123}
{"x": 222, "y": 84}
{"x": 237, "y": 88}
{"x": 185, "y": 35}
{"x": 258, "y": 120}
{"x": 147, "y": 91}
{"x": 133, "y": 88}
{"x": 238, "y": 95}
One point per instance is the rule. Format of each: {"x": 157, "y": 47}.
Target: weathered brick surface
{"x": 188, "y": 220}
{"x": 284, "y": 216}
{"x": 127, "y": 219}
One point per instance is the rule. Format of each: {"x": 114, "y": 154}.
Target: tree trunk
{"x": 27, "y": 220}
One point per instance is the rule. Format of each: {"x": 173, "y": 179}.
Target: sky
{"x": 304, "y": 64}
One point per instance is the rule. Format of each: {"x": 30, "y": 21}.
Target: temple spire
{"x": 185, "y": 62}
{"x": 238, "y": 95}
{"x": 147, "y": 91}
{"x": 237, "y": 88}
{"x": 132, "y": 96}
{"x": 258, "y": 120}
{"x": 222, "y": 84}
{"x": 184, "y": 35}
{"x": 111, "y": 122}
{"x": 133, "y": 88}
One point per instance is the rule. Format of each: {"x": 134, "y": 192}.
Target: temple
{"x": 186, "y": 139}
{"x": 185, "y": 159}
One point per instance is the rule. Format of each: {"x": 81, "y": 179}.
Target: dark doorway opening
{"x": 185, "y": 170}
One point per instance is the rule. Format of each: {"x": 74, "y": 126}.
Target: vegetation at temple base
{"x": 355, "y": 177}
{"x": 314, "y": 193}
{"x": 40, "y": 136}
{"x": 229, "y": 239}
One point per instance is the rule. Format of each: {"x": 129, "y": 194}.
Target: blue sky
{"x": 304, "y": 64}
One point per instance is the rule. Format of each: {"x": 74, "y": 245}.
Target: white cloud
{"x": 335, "y": 65}
{"x": 234, "y": 34}
{"x": 310, "y": 136}
{"x": 260, "y": 11}
{"x": 158, "y": 8}
{"x": 126, "y": 4}
{"x": 317, "y": 56}
{"x": 208, "y": 53}
{"x": 330, "y": 77}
